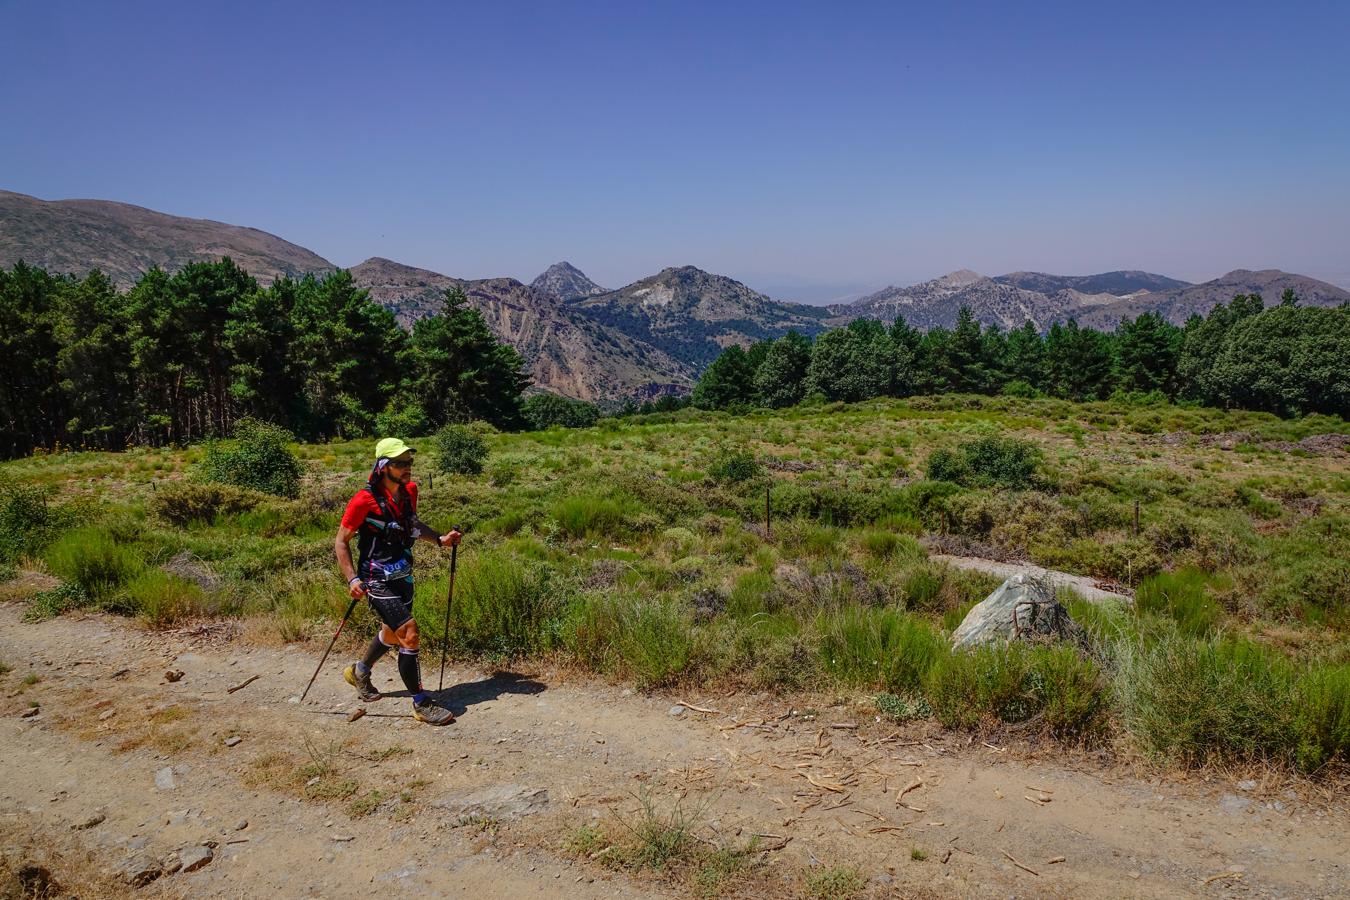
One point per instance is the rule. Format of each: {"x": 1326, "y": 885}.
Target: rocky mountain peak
{"x": 565, "y": 282}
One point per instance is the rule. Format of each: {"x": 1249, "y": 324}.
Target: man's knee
{"x": 407, "y": 635}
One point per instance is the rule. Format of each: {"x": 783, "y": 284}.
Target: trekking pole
{"x": 351, "y": 606}
{"x": 450, "y": 597}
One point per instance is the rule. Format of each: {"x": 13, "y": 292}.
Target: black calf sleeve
{"x": 409, "y": 670}
{"x": 376, "y": 650}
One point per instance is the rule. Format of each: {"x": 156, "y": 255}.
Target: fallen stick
{"x": 878, "y": 829}
{"x": 844, "y": 725}
{"x": 702, "y": 709}
{"x": 911, "y": 786}
{"x": 243, "y": 684}
{"x": 1054, "y": 859}
{"x": 829, "y": 786}
{"x": 1019, "y": 865}
{"x": 1041, "y": 789}
{"x": 1039, "y": 801}
{"x": 1221, "y": 876}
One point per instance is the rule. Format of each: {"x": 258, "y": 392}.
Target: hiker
{"x": 382, "y": 516}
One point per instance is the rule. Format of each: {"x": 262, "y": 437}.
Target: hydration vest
{"x": 385, "y": 544}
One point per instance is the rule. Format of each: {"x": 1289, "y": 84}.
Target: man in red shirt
{"x": 383, "y": 518}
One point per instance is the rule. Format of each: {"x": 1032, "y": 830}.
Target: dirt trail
{"x": 120, "y": 746}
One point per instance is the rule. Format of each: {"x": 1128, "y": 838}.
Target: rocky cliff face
{"x": 566, "y": 352}
{"x": 692, "y": 315}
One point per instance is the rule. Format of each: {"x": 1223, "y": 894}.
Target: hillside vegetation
{"x": 637, "y": 549}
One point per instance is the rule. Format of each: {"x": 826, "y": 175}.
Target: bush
{"x": 991, "y": 681}
{"x": 1072, "y": 691}
{"x": 589, "y": 515}
{"x": 257, "y": 457}
{"x": 459, "y": 451}
{"x": 1182, "y": 596}
{"x": 546, "y": 410}
{"x": 162, "y": 599}
{"x": 27, "y": 521}
{"x": 655, "y": 641}
{"x": 1323, "y": 716}
{"x": 503, "y": 606}
{"x": 93, "y": 561}
{"x": 736, "y": 467}
{"x": 1194, "y": 700}
{"x": 189, "y": 502}
{"x": 877, "y": 647}
{"x": 986, "y": 462}
{"x": 900, "y": 709}
{"x": 51, "y": 603}
{"x": 403, "y": 416}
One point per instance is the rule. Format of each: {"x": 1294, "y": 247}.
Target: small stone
{"x": 90, "y": 821}
{"x": 241, "y": 825}
{"x": 164, "y": 779}
{"x": 676, "y": 710}
{"x": 356, "y": 714}
{"x": 1246, "y": 784}
{"x": 30, "y": 712}
{"x": 196, "y": 857}
{"x": 140, "y": 870}
{"x": 343, "y": 838}
{"x": 106, "y": 715}
{"x": 233, "y": 740}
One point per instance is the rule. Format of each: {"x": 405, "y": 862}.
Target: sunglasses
{"x": 395, "y": 464}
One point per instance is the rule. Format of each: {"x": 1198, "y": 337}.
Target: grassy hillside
{"x": 637, "y": 549}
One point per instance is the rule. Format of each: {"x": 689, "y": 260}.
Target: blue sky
{"x": 810, "y": 150}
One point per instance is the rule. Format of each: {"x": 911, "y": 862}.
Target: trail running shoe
{"x": 364, "y": 689}
{"x": 432, "y": 714}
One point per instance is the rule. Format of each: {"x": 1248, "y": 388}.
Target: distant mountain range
{"x": 1099, "y": 301}
{"x": 649, "y": 338}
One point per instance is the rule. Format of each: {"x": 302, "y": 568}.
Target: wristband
{"x": 353, "y": 578}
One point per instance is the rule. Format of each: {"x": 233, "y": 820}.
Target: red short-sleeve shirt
{"x": 363, "y": 504}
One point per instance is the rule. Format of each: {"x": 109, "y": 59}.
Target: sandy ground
{"x": 123, "y": 765}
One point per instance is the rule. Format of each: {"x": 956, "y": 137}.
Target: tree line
{"x": 1287, "y": 359}
{"x": 182, "y": 357}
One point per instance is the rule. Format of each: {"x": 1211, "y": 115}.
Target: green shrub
{"x": 589, "y": 515}
{"x": 404, "y": 416}
{"x": 990, "y": 682}
{"x": 1194, "y": 700}
{"x": 1323, "y": 716}
{"x": 162, "y": 599}
{"x": 53, "y": 602}
{"x": 877, "y": 647}
{"x": 752, "y": 593}
{"x": 1182, "y": 596}
{"x": 881, "y": 544}
{"x": 901, "y": 709}
{"x": 503, "y": 606}
{"x": 655, "y": 641}
{"x": 546, "y": 410}
{"x": 986, "y": 462}
{"x": 258, "y": 457}
{"x": 92, "y": 560}
{"x": 459, "y": 450}
{"x": 736, "y": 467}
{"x": 28, "y": 521}
{"x": 188, "y": 502}
{"x": 1072, "y": 691}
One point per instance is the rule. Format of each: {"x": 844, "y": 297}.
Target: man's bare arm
{"x": 342, "y": 549}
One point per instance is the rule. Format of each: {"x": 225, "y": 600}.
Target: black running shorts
{"x": 392, "y": 601}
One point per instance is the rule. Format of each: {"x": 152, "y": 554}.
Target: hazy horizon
{"x": 814, "y": 154}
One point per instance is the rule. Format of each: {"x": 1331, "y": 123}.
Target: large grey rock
{"x": 1024, "y": 608}
{"x": 500, "y": 803}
